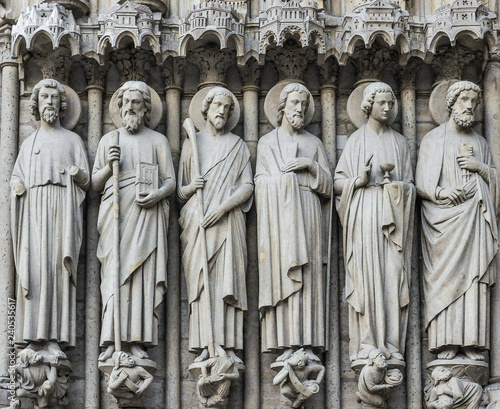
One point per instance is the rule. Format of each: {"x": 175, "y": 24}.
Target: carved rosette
{"x": 212, "y": 63}
{"x": 448, "y": 62}
{"x": 134, "y": 64}
{"x": 291, "y": 61}
{"x": 370, "y": 63}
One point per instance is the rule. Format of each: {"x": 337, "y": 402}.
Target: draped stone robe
{"x": 225, "y": 167}
{"x": 377, "y": 237}
{"x": 459, "y": 243}
{"x": 293, "y": 222}
{"x": 143, "y": 239}
{"x": 47, "y": 234}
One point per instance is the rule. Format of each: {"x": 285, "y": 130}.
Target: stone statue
{"x": 374, "y": 181}
{"x": 451, "y": 392}
{"x": 295, "y": 381}
{"x": 127, "y": 379}
{"x": 225, "y": 180}
{"x": 460, "y": 192}
{"x": 40, "y": 379}
{"x": 146, "y": 179}
{"x": 375, "y": 380}
{"x": 293, "y": 185}
{"x": 215, "y": 380}
{"x": 49, "y": 180}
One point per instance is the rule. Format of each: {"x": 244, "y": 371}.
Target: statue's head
{"x": 378, "y": 101}
{"x": 440, "y": 374}
{"x": 377, "y": 358}
{"x": 134, "y": 101}
{"x": 122, "y": 359}
{"x": 299, "y": 359}
{"x": 462, "y": 99}
{"x": 293, "y": 105}
{"x": 217, "y": 107}
{"x": 48, "y": 101}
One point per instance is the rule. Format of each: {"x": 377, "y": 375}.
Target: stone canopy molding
{"x": 249, "y": 204}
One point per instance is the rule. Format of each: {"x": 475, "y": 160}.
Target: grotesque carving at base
{"x": 299, "y": 377}
{"x": 449, "y": 391}
{"x": 376, "y": 380}
{"x": 41, "y": 376}
{"x": 215, "y": 376}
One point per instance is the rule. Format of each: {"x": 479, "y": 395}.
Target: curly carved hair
{"x": 369, "y": 95}
{"x": 214, "y": 92}
{"x": 146, "y": 94}
{"x": 48, "y": 83}
{"x": 455, "y": 90}
{"x": 293, "y": 87}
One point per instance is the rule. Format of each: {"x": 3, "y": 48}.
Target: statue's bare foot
{"x": 397, "y": 355}
{"x": 107, "y": 354}
{"x": 137, "y": 351}
{"x": 232, "y": 354}
{"x": 55, "y": 350}
{"x": 203, "y": 356}
{"x": 448, "y": 353}
{"x": 471, "y": 353}
{"x": 312, "y": 356}
{"x": 285, "y": 355}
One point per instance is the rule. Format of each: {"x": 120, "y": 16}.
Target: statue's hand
{"x": 122, "y": 377}
{"x": 19, "y": 188}
{"x": 149, "y": 199}
{"x": 196, "y": 183}
{"x": 113, "y": 155}
{"x": 297, "y": 164}
{"x": 455, "y": 196}
{"x": 213, "y": 217}
{"x": 364, "y": 178}
{"x": 470, "y": 163}
{"x": 139, "y": 391}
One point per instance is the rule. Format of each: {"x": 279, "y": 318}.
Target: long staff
{"x": 116, "y": 247}
{"x": 191, "y": 133}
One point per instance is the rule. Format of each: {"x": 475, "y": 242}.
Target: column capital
{"x": 212, "y": 63}
{"x": 448, "y": 62}
{"x": 174, "y": 69}
{"x": 94, "y": 73}
{"x": 408, "y": 75}
{"x": 329, "y": 72}
{"x": 254, "y": 88}
{"x": 370, "y": 63}
{"x": 291, "y": 61}
{"x": 250, "y": 73}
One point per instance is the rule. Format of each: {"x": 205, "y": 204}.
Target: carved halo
{"x": 73, "y": 110}
{"x": 356, "y": 114}
{"x": 196, "y": 115}
{"x": 271, "y": 104}
{"x": 437, "y": 102}
{"x": 156, "y": 109}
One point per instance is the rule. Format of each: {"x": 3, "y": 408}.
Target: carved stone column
{"x": 251, "y": 76}
{"x": 329, "y": 72}
{"x": 413, "y": 342}
{"x": 491, "y": 91}
{"x": 95, "y": 79}
{"x": 8, "y": 151}
{"x": 212, "y": 63}
{"x": 174, "y": 78}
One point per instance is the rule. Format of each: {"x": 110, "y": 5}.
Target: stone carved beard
{"x": 463, "y": 119}
{"x": 219, "y": 122}
{"x": 295, "y": 119}
{"x": 132, "y": 120}
{"x": 49, "y": 115}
